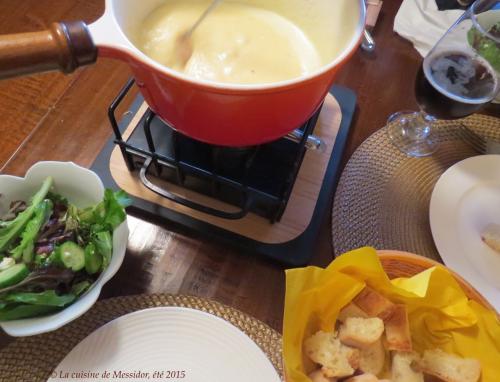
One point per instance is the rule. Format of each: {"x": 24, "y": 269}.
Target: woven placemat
{"x": 33, "y": 359}
{"x": 383, "y": 196}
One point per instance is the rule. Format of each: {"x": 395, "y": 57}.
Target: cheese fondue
{"x": 236, "y": 43}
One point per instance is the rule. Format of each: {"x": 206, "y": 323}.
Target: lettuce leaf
{"x": 48, "y": 298}
{"x": 485, "y": 46}
{"x": 108, "y": 214}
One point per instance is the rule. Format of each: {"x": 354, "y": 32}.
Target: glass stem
{"x": 421, "y": 127}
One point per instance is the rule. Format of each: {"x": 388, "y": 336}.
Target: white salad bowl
{"x": 81, "y": 187}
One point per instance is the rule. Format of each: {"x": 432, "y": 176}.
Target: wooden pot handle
{"x": 65, "y": 47}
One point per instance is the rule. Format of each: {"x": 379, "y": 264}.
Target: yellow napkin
{"x": 440, "y": 313}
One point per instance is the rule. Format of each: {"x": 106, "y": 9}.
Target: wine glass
{"x": 457, "y": 78}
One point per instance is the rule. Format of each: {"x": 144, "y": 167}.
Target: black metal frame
{"x": 296, "y": 252}
{"x": 153, "y": 158}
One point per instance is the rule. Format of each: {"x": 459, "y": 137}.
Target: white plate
{"x": 81, "y": 187}
{"x": 192, "y": 345}
{"x": 464, "y": 201}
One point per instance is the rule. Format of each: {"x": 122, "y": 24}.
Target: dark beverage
{"x": 454, "y": 85}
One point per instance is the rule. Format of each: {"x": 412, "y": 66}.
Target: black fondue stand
{"x": 237, "y": 196}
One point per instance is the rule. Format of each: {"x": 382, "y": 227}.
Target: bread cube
{"x": 363, "y": 378}
{"x": 351, "y": 310}
{"x": 361, "y": 332}
{"x": 318, "y": 376}
{"x": 449, "y": 367}
{"x": 372, "y": 358}
{"x": 374, "y": 304}
{"x": 397, "y": 330}
{"x": 491, "y": 236}
{"x": 402, "y": 369}
{"x": 336, "y": 359}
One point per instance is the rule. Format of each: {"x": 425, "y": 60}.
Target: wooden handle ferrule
{"x": 64, "y": 47}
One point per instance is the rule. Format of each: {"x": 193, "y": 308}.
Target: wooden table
{"x": 56, "y": 117}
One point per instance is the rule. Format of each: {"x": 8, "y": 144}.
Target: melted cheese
{"x": 236, "y": 43}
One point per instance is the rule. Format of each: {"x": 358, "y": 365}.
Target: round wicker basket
{"x": 405, "y": 264}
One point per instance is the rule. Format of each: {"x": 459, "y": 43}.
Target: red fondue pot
{"x": 216, "y": 113}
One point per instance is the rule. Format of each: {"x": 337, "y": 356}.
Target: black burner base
{"x": 297, "y": 252}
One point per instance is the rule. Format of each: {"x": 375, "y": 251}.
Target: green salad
{"x": 485, "y": 46}
{"x": 51, "y": 251}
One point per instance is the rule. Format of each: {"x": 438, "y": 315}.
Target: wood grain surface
{"x": 56, "y": 117}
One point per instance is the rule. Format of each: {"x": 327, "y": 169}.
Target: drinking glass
{"x": 457, "y": 78}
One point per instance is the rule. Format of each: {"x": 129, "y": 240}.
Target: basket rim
{"x": 412, "y": 258}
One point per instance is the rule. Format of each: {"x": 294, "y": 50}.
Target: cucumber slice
{"x": 13, "y": 275}
{"x": 72, "y": 256}
{"x": 93, "y": 260}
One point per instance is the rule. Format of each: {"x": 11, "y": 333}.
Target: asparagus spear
{"x": 12, "y": 229}
{"x": 30, "y": 234}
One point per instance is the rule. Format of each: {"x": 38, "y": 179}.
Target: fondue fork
{"x": 184, "y": 46}
{"x": 210, "y": 8}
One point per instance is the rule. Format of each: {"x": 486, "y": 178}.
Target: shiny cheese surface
{"x": 237, "y": 43}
